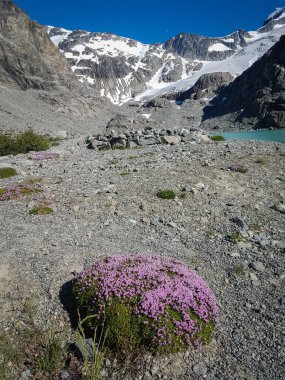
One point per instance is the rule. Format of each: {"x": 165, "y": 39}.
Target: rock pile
{"x": 147, "y": 136}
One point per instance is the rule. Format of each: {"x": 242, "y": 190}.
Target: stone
{"x": 149, "y": 141}
{"x": 83, "y": 350}
{"x": 154, "y": 369}
{"x": 280, "y": 207}
{"x": 25, "y": 375}
{"x": 234, "y": 254}
{"x": 282, "y": 301}
{"x": 62, "y": 135}
{"x": 200, "y": 186}
{"x": 239, "y": 222}
{"x": 258, "y": 266}
{"x": 172, "y": 140}
{"x": 254, "y": 280}
{"x": 64, "y": 375}
{"x": 200, "y": 369}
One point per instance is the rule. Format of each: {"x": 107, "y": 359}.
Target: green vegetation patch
{"x": 23, "y": 143}
{"x": 235, "y": 237}
{"x": 166, "y": 194}
{"x": 217, "y": 138}
{"x": 7, "y": 172}
{"x": 41, "y": 210}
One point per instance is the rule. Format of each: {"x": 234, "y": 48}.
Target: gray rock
{"x": 88, "y": 348}
{"x": 173, "y": 140}
{"x": 200, "y": 369}
{"x": 64, "y": 375}
{"x": 58, "y": 135}
{"x": 26, "y": 375}
{"x": 279, "y": 207}
{"x": 282, "y": 301}
{"x": 240, "y": 223}
{"x": 258, "y": 266}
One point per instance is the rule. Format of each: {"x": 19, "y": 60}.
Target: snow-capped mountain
{"x": 123, "y": 69}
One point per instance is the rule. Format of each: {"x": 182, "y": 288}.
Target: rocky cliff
{"x": 28, "y": 59}
{"x": 53, "y": 96}
{"x": 257, "y": 97}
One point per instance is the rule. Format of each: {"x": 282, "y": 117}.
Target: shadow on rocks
{"x": 67, "y": 299}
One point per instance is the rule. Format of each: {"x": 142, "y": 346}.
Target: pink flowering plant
{"x": 16, "y": 191}
{"x": 40, "y": 156}
{"x": 147, "y": 301}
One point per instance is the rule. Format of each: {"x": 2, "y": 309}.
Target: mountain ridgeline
{"x": 230, "y": 82}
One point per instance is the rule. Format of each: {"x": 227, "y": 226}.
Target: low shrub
{"x": 166, "y": 194}
{"x": 217, "y": 138}
{"x": 41, "y": 210}
{"x": 146, "y": 302}
{"x": 23, "y": 143}
{"x": 7, "y": 172}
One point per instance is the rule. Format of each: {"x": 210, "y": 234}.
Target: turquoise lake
{"x": 264, "y": 135}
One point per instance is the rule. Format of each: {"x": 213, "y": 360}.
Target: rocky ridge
{"x": 256, "y": 97}
{"x": 122, "y": 69}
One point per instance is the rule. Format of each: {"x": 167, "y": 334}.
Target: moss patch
{"x": 7, "y": 172}
{"x": 166, "y": 194}
{"x": 41, "y": 210}
{"x": 217, "y": 138}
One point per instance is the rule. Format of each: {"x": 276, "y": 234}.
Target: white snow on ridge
{"x": 273, "y": 15}
{"x": 236, "y": 64}
{"x": 218, "y": 47}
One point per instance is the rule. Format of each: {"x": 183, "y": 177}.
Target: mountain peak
{"x": 275, "y": 15}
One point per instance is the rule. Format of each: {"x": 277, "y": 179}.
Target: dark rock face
{"x": 258, "y": 95}
{"x": 158, "y": 103}
{"x": 28, "y": 59}
{"x": 206, "y": 86}
{"x": 194, "y": 46}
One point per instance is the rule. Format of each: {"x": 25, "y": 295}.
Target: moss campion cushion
{"x": 147, "y": 300}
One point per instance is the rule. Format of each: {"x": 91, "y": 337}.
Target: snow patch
{"x": 218, "y": 47}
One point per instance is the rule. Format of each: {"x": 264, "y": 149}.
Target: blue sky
{"x": 152, "y": 21}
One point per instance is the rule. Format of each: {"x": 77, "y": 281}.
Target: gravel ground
{"x": 105, "y": 203}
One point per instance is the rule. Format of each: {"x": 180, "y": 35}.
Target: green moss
{"x": 235, "y": 237}
{"x": 239, "y": 271}
{"x": 217, "y": 138}
{"x": 41, "y": 210}
{"x": 29, "y": 191}
{"x": 166, "y": 194}
{"x": 122, "y": 326}
{"x": 7, "y": 172}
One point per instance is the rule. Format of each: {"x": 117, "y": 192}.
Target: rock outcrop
{"x": 256, "y": 97}
{"x": 206, "y": 86}
{"x": 28, "y": 59}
